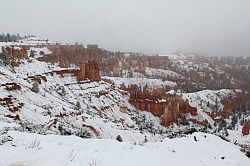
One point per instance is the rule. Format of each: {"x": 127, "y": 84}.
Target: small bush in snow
{"x": 35, "y": 87}
{"x": 32, "y": 53}
{"x": 35, "y": 144}
{"x": 119, "y": 138}
{"x": 78, "y": 105}
{"x": 94, "y": 162}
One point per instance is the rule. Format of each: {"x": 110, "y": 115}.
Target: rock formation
{"x": 88, "y": 70}
{"x": 246, "y": 128}
{"x": 167, "y": 107}
{"x": 15, "y": 52}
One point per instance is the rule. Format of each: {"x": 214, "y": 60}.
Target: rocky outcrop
{"x": 92, "y": 71}
{"x": 246, "y": 128}
{"x": 15, "y": 52}
{"x": 88, "y": 70}
{"x": 11, "y": 86}
{"x": 12, "y": 104}
{"x": 167, "y": 107}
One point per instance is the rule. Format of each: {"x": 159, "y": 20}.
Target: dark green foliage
{"x": 78, "y": 105}
{"x": 234, "y": 121}
{"x": 5, "y": 58}
{"x": 119, "y": 138}
{"x": 35, "y": 87}
{"x": 32, "y": 53}
{"x": 9, "y": 38}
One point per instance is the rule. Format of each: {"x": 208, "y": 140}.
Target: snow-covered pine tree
{"x": 32, "y": 53}
{"x": 35, "y": 87}
{"x": 78, "y": 105}
{"x": 6, "y": 60}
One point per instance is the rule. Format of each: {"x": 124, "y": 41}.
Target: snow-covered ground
{"x": 105, "y": 109}
{"x": 205, "y": 100}
{"x": 160, "y": 73}
{"x": 39, "y": 150}
{"x": 31, "y": 41}
{"x": 104, "y": 112}
{"x": 141, "y": 82}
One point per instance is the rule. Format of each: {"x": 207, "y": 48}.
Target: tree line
{"x": 12, "y": 37}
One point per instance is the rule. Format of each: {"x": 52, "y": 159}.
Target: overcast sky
{"x": 208, "y": 27}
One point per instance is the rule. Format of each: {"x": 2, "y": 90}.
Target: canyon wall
{"x": 168, "y": 107}
{"x": 15, "y": 52}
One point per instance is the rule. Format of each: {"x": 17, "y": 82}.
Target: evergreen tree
{"x": 119, "y": 138}
{"x": 32, "y": 53}
{"x": 8, "y": 37}
{"x": 216, "y": 104}
{"x": 234, "y": 121}
{"x": 145, "y": 140}
{"x": 208, "y": 104}
{"x": 6, "y": 60}
{"x": 63, "y": 93}
{"x": 78, "y": 105}
{"x": 35, "y": 87}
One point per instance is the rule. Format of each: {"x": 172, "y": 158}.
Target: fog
{"x": 206, "y": 27}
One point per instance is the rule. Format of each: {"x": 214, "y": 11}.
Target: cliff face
{"x": 92, "y": 71}
{"x": 89, "y": 70}
{"x": 110, "y": 63}
{"x": 168, "y": 108}
{"x": 17, "y": 52}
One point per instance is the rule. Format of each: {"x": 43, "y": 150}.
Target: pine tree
{"x": 78, "y": 105}
{"x": 63, "y": 93}
{"x": 35, "y": 87}
{"x": 6, "y": 60}
{"x": 32, "y": 53}
{"x": 234, "y": 121}
{"x": 119, "y": 138}
{"x": 8, "y": 37}
{"x": 216, "y": 104}
{"x": 145, "y": 140}
{"x": 208, "y": 104}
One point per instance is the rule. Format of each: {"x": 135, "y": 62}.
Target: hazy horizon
{"x": 208, "y": 27}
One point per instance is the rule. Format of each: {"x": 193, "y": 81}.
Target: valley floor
{"x": 39, "y": 150}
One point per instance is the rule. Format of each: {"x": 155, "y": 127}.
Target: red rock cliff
{"x": 168, "y": 108}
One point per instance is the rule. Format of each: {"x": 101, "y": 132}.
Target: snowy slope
{"x": 141, "y": 82}
{"x": 160, "y": 73}
{"x": 37, "y": 150}
{"x": 31, "y": 41}
{"x": 105, "y": 112}
{"x": 204, "y": 100}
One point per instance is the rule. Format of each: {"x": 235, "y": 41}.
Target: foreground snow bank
{"x": 34, "y": 149}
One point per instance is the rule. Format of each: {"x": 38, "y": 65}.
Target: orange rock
{"x": 168, "y": 108}
{"x": 246, "y": 128}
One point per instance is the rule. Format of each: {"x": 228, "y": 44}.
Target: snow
{"x": 141, "y": 82}
{"x": 36, "y": 150}
{"x": 31, "y": 41}
{"x": 160, "y": 72}
{"x": 101, "y": 105}
{"x": 37, "y": 51}
{"x": 236, "y": 136}
{"x": 201, "y": 99}
{"x": 99, "y": 111}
